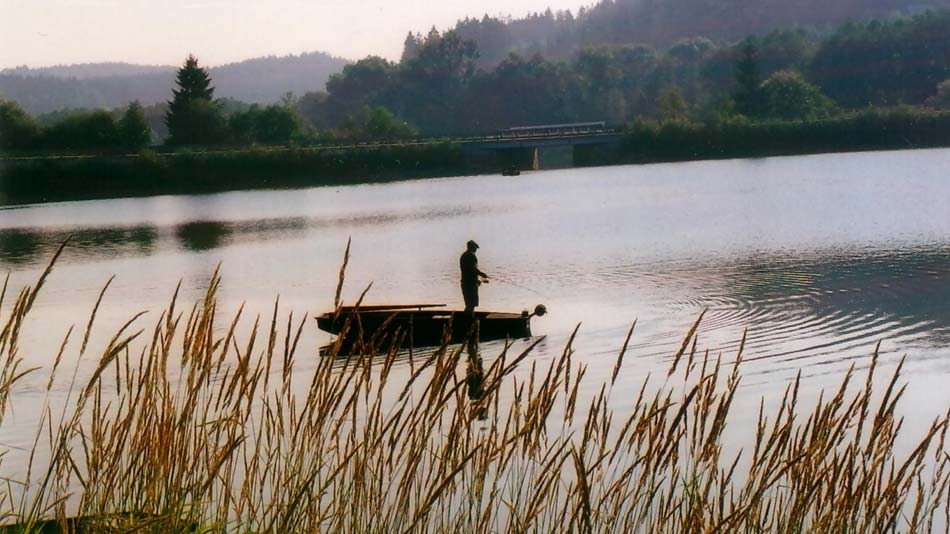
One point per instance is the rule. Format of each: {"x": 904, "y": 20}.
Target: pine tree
{"x": 193, "y": 81}
{"x": 192, "y": 117}
{"x": 134, "y": 130}
{"x": 410, "y": 47}
{"x": 748, "y": 94}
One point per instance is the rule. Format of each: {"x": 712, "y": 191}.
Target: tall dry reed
{"x": 187, "y": 426}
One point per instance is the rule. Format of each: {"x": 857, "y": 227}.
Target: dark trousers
{"x": 470, "y": 294}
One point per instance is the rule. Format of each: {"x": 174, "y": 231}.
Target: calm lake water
{"x": 817, "y": 257}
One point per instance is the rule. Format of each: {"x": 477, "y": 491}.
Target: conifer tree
{"x": 193, "y": 118}
{"x": 410, "y": 47}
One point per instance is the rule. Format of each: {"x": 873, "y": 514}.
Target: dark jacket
{"x": 468, "y": 264}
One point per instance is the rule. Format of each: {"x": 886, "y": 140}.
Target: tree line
{"x": 558, "y": 35}
{"x": 438, "y": 88}
{"x": 82, "y": 130}
{"x": 192, "y": 118}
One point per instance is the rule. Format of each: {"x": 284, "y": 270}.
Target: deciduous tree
{"x": 377, "y": 123}
{"x": 786, "y": 95}
{"x": 748, "y": 95}
{"x": 84, "y": 130}
{"x": 17, "y": 129}
{"x": 134, "y": 131}
{"x": 941, "y": 100}
{"x": 672, "y": 106}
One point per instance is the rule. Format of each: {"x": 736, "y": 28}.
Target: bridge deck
{"x": 502, "y": 140}
{"x": 542, "y": 140}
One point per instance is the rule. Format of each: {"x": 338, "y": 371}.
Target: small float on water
{"x": 421, "y": 325}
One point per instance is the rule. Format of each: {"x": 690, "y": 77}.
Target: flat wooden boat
{"x": 421, "y": 325}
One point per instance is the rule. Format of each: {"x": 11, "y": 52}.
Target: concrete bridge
{"x": 525, "y": 147}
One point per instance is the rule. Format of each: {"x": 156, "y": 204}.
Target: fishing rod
{"x": 519, "y": 286}
{"x": 539, "y": 310}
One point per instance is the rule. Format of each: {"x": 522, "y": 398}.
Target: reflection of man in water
{"x": 468, "y": 263}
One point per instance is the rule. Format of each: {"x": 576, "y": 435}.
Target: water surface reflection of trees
{"x": 33, "y": 246}
{"x": 202, "y": 235}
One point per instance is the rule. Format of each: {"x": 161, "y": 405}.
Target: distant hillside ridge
{"x": 85, "y": 71}
{"x": 661, "y": 23}
{"x": 265, "y": 79}
{"x": 111, "y": 85}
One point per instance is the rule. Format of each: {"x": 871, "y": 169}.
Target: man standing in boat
{"x": 471, "y": 278}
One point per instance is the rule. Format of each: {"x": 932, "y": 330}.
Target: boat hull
{"x": 419, "y": 328}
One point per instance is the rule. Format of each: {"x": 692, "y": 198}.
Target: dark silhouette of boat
{"x": 421, "y": 325}
{"x": 511, "y": 172}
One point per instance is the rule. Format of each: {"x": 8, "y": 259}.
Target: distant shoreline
{"x": 63, "y": 177}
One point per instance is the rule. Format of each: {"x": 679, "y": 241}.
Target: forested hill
{"x": 85, "y": 71}
{"x": 110, "y": 85}
{"x": 661, "y": 23}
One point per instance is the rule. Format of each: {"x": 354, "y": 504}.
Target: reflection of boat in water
{"x": 421, "y": 325}
{"x": 511, "y": 172}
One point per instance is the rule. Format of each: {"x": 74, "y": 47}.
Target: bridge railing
{"x": 504, "y": 135}
{"x": 557, "y": 129}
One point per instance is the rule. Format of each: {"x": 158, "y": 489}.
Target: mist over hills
{"x": 110, "y": 85}
{"x": 556, "y": 36}
{"x": 661, "y": 23}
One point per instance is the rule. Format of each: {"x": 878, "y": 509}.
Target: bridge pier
{"x": 554, "y": 150}
{"x": 520, "y": 158}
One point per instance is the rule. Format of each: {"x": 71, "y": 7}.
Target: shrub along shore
{"x": 208, "y": 171}
{"x": 193, "y": 424}
{"x": 56, "y": 178}
{"x": 872, "y": 129}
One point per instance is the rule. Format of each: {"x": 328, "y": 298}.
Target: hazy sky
{"x": 48, "y": 32}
